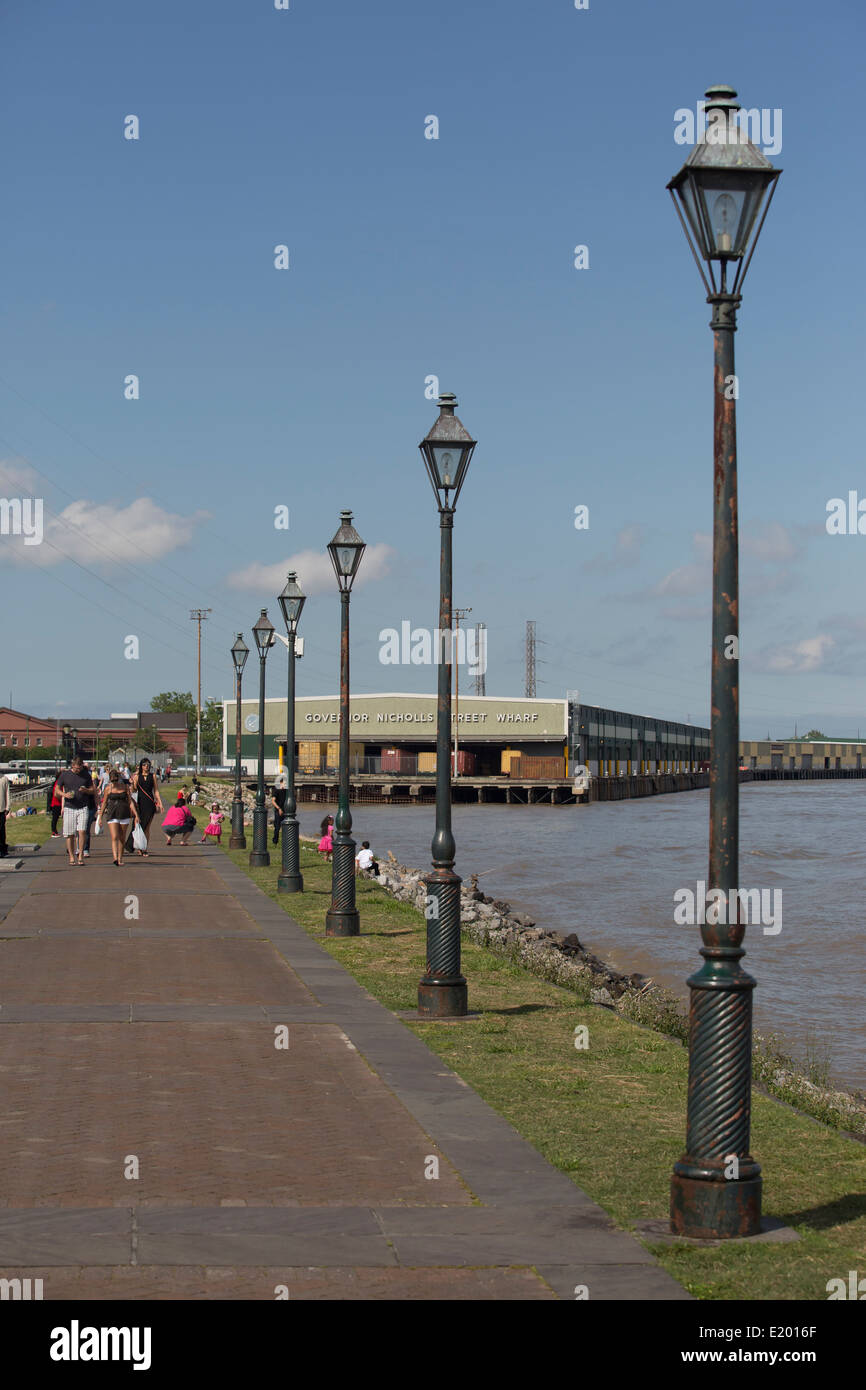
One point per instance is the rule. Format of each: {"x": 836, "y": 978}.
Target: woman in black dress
{"x": 148, "y": 799}
{"x": 117, "y": 809}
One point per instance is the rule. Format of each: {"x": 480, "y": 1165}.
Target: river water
{"x": 609, "y": 871}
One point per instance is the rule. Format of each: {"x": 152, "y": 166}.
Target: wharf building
{"x": 507, "y": 749}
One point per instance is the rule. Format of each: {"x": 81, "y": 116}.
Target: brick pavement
{"x": 155, "y": 1142}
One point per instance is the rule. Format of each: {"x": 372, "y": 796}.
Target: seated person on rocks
{"x": 365, "y": 862}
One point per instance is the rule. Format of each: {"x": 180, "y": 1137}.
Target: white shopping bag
{"x": 97, "y": 827}
{"x": 139, "y": 839}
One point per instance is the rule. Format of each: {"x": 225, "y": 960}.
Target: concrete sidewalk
{"x": 158, "y": 1141}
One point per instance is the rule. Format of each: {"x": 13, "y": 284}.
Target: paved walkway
{"x": 146, "y": 1044}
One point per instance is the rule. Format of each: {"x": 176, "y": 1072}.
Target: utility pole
{"x": 198, "y": 615}
{"x": 480, "y": 647}
{"x": 458, "y": 614}
{"x": 530, "y": 660}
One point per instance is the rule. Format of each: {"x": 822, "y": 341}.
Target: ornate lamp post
{"x": 716, "y": 1186}
{"x": 342, "y": 918}
{"x": 240, "y": 652}
{"x": 263, "y": 632}
{"x": 442, "y": 993}
{"x": 290, "y": 879}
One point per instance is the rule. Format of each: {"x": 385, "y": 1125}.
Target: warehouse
{"x": 396, "y": 734}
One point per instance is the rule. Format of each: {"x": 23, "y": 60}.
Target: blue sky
{"x": 411, "y": 258}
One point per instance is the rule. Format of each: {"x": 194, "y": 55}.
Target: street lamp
{"x": 290, "y": 879}
{"x": 716, "y": 1186}
{"x": 342, "y": 917}
{"x": 442, "y": 993}
{"x": 240, "y": 652}
{"x": 263, "y": 632}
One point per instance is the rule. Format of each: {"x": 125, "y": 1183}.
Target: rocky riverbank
{"x": 564, "y": 960}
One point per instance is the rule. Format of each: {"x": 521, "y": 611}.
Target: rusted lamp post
{"x": 290, "y": 879}
{"x": 263, "y": 632}
{"x": 722, "y": 194}
{"x": 442, "y": 993}
{"x": 240, "y": 652}
{"x": 342, "y": 918}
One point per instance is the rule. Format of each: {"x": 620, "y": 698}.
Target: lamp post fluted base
{"x": 290, "y": 879}
{"x": 343, "y": 917}
{"x": 443, "y": 998}
{"x": 715, "y": 1208}
{"x": 442, "y": 990}
{"x": 343, "y": 923}
{"x": 238, "y": 838}
{"x": 259, "y": 856}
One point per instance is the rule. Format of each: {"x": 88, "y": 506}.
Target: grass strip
{"x": 611, "y": 1116}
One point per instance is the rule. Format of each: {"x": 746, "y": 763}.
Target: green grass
{"x": 29, "y": 830}
{"x": 613, "y": 1116}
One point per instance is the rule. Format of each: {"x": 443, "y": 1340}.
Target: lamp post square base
{"x": 259, "y": 859}
{"x": 715, "y": 1210}
{"x": 290, "y": 883}
{"x": 238, "y": 842}
{"x": 343, "y": 923}
{"x": 443, "y": 999}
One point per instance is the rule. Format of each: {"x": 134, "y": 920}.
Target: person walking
{"x": 54, "y": 809}
{"x": 5, "y": 807}
{"x": 118, "y": 809}
{"x": 91, "y": 813}
{"x": 76, "y": 790}
{"x": 278, "y": 801}
{"x": 145, "y": 792}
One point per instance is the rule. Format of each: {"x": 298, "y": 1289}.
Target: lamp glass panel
{"x": 447, "y": 459}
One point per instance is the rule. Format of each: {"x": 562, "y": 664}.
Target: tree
{"x": 813, "y": 734}
{"x": 182, "y": 702}
{"x": 174, "y": 702}
{"x": 212, "y": 728}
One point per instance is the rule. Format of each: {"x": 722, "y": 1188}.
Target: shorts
{"x": 74, "y": 819}
{"x": 115, "y": 821}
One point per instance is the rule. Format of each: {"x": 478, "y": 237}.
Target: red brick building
{"x": 33, "y": 732}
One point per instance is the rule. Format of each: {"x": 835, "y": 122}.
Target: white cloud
{"x": 795, "y": 658}
{"x": 314, "y": 570}
{"x": 774, "y": 546}
{"x": 694, "y": 578}
{"x": 105, "y": 534}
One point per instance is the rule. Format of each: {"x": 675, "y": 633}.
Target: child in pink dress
{"x": 326, "y": 844}
{"x": 215, "y": 823}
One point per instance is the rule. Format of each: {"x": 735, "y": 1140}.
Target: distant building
{"x": 799, "y": 754}
{"x": 32, "y": 732}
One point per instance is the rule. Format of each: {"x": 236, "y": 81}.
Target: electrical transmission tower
{"x": 530, "y": 660}
{"x": 199, "y": 615}
{"x": 480, "y": 656}
{"x": 458, "y": 613}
